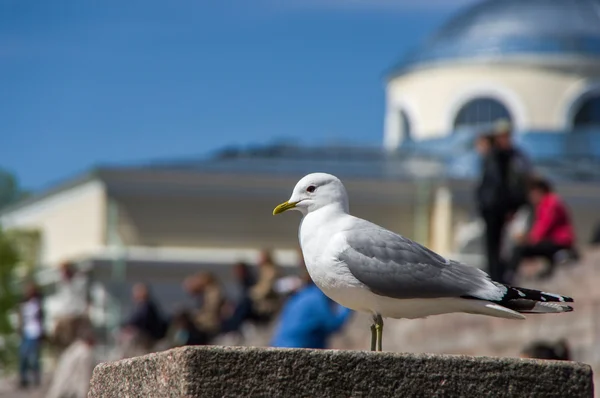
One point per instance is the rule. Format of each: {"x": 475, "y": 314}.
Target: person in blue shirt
{"x": 309, "y": 319}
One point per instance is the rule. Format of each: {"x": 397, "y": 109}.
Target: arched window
{"x": 405, "y": 130}
{"x": 481, "y": 113}
{"x": 588, "y": 113}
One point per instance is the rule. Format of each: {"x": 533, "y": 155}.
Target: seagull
{"x": 367, "y": 268}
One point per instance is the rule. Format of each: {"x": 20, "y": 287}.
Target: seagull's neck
{"x": 317, "y": 223}
{"x": 330, "y": 211}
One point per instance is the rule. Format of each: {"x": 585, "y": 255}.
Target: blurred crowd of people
{"x": 524, "y": 217}
{"x": 71, "y": 339}
{"x": 291, "y": 308}
{"x": 307, "y": 317}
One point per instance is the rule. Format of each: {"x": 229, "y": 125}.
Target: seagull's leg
{"x": 379, "y": 329}
{"x": 373, "y": 337}
{"x": 374, "y": 334}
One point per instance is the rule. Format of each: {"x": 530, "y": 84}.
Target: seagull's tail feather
{"x": 483, "y": 307}
{"x": 517, "y": 301}
{"x": 536, "y": 307}
{"x": 529, "y": 301}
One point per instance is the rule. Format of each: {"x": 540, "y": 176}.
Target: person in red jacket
{"x": 551, "y": 232}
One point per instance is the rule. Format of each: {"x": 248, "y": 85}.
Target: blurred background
{"x": 144, "y": 146}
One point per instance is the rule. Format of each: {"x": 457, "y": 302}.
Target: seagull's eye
{"x": 311, "y": 188}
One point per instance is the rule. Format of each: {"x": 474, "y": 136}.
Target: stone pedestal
{"x": 262, "y": 372}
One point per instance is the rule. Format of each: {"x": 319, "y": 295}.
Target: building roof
{"x": 345, "y": 161}
{"x": 567, "y": 156}
{"x": 450, "y": 156}
{"x": 496, "y": 29}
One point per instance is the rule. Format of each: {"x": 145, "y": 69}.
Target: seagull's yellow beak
{"x": 284, "y": 207}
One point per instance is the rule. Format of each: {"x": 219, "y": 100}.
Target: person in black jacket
{"x": 145, "y": 322}
{"x": 502, "y": 190}
{"x": 517, "y": 168}
{"x": 492, "y": 202}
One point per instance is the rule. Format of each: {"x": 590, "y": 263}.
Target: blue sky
{"x": 86, "y": 83}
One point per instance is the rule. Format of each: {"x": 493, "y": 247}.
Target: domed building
{"x": 533, "y": 62}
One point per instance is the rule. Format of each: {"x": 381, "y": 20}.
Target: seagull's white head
{"x": 314, "y": 192}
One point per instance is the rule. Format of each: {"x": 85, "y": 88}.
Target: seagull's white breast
{"x": 322, "y": 240}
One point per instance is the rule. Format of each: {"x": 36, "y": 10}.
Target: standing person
{"x": 31, "y": 329}
{"x": 72, "y": 312}
{"x": 519, "y": 169}
{"x": 263, "y": 294}
{"x": 309, "y": 318}
{"x": 492, "y": 203}
{"x": 552, "y": 229}
{"x": 502, "y": 190}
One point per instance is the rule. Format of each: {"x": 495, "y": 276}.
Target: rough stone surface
{"x": 258, "y": 372}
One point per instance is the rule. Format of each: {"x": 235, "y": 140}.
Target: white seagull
{"x": 367, "y": 268}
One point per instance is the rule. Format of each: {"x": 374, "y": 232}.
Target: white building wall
{"x": 72, "y": 222}
{"x": 223, "y": 223}
{"x": 538, "y": 98}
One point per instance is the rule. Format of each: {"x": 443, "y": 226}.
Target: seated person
{"x": 265, "y": 300}
{"x": 595, "y": 241}
{"x": 208, "y": 292}
{"x": 185, "y": 332}
{"x": 242, "y": 310}
{"x": 145, "y": 326}
{"x": 309, "y": 319}
{"x": 558, "y": 351}
{"x": 552, "y": 231}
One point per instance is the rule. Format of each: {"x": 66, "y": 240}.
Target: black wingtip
{"x": 514, "y": 293}
{"x": 562, "y": 299}
{"x": 568, "y": 308}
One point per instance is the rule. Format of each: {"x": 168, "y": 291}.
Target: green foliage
{"x": 10, "y": 192}
{"x": 9, "y": 260}
{"x": 26, "y": 242}
{"x": 18, "y": 249}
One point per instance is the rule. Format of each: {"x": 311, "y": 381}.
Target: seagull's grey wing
{"x": 393, "y": 266}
